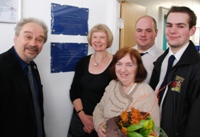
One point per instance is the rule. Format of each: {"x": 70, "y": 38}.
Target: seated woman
{"x": 126, "y": 90}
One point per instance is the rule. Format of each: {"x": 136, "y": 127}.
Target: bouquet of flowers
{"x": 133, "y": 124}
{"x": 136, "y": 124}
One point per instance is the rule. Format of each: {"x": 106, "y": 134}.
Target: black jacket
{"x": 16, "y": 104}
{"x": 181, "y": 110}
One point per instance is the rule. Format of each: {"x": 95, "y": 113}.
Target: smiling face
{"x": 145, "y": 33}
{"x": 29, "y": 41}
{"x": 99, "y": 41}
{"x": 126, "y": 70}
{"x": 177, "y": 30}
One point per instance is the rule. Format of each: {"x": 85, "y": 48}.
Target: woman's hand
{"x": 101, "y": 130}
{"x": 87, "y": 121}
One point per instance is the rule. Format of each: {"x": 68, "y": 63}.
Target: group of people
{"x": 104, "y": 85}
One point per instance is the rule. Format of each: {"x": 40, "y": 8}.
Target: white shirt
{"x": 164, "y": 69}
{"x": 152, "y": 54}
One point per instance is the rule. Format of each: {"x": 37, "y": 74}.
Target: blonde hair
{"x": 103, "y": 28}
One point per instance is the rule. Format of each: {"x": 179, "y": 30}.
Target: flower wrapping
{"x": 131, "y": 124}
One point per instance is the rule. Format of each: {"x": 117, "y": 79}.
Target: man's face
{"x": 29, "y": 41}
{"x": 145, "y": 33}
{"x": 177, "y": 30}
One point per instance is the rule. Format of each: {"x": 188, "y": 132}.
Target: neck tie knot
{"x": 29, "y": 68}
{"x": 141, "y": 54}
{"x": 170, "y": 62}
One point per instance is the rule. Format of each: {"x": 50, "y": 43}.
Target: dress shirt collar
{"x": 179, "y": 53}
{"x": 22, "y": 63}
{"x": 150, "y": 51}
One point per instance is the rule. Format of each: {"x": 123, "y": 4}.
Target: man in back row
{"x": 180, "y": 97}
{"x": 145, "y": 34}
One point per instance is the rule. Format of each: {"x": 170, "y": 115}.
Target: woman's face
{"x": 126, "y": 70}
{"x": 99, "y": 41}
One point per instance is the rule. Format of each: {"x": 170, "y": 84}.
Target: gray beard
{"x": 28, "y": 59}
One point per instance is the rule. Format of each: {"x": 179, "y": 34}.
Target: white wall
{"x": 57, "y": 105}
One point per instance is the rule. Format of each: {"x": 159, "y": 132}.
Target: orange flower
{"x": 129, "y": 118}
{"x": 134, "y": 121}
{"x": 124, "y": 130}
{"x": 120, "y": 123}
{"x": 124, "y": 116}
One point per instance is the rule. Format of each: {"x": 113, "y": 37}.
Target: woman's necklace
{"x": 96, "y": 64}
{"x": 131, "y": 88}
{"x": 128, "y": 91}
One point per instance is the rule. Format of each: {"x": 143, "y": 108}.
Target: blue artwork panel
{"x": 197, "y": 47}
{"x": 64, "y": 56}
{"x": 69, "y": 20}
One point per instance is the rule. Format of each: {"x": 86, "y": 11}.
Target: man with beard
{"x": 21, "y": 96}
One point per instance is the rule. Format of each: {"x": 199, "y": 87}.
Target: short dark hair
{"x": 135, "y": 56}
{"x": 182, "y": 9}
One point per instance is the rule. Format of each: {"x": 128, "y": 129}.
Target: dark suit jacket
{"x": 181, "y": 110}
{"x": 16, "y": 104}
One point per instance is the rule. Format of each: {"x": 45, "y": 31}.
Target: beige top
{"x": 114, "y": 101}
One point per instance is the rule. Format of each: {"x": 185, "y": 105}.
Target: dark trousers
{"x": 93, "y": 134}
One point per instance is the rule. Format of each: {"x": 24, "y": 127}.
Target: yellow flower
{"x": 149, "y": 124}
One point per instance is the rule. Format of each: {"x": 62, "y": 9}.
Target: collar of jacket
{"x": 190, "y": 56}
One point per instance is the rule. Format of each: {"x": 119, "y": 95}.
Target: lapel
{"x": 20, "y": 78}
{"x": 189, "y": 56}
{"x": 17, "y": 71}
{"x": 158, "y": 62}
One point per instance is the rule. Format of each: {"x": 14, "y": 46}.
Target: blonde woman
{"x": 90, "y": 79}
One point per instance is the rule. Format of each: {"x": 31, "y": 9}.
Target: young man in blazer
{"x": 180, "y": 103}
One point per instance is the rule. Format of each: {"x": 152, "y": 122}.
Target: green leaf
{"x": 145, "y": 132}
{"x": 134, "y": 127}
{"x": 147, "y": 124}
{"x": 134, "y": 134}
{"x": 144, "y": 123}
